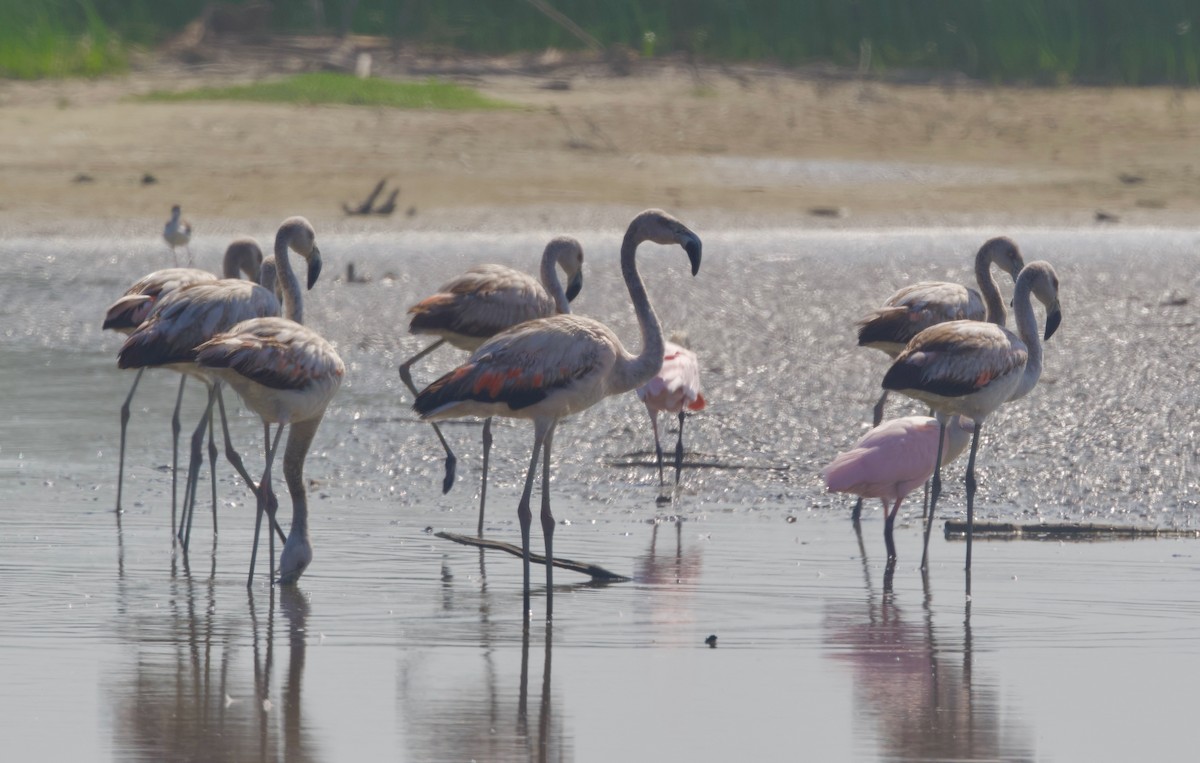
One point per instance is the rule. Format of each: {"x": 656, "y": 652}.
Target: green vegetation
{"x": 332, "y": 88}
{"x": 1029, "y": 41}
{"x": 35, "y": 41}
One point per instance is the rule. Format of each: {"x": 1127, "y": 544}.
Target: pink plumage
{"x": 674, "y": 388}
{"x": 893, "y": 459}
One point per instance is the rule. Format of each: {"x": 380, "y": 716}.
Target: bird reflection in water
{"x": 916, "y": 683}
{"x": 479, "y": 704}
{"x": 189, "y": 696}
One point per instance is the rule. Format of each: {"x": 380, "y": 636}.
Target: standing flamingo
{"x": 178, "y": 232}
{"x": 971, "y": 368}
{"x": 487, "y": 299}
{"x": 915, "y": 308}
{"x": 893, "y": 459}
{"x": 242, "y": 256}
{"x": 548, "y": 368}
{"x": 190, "y": 316}
{"x": 674, "y": 388}
{"x": 287, "y": 374}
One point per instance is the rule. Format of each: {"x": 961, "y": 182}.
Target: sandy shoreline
{"x": 734, "y": 147}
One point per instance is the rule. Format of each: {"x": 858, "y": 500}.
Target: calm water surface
{"x": 401, "y": 646}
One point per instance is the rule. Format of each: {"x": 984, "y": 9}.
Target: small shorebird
{"x": 178, "y": 232}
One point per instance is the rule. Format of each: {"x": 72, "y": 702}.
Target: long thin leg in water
{"x": 890, "y": 519}
{"x": 524, "y": 515}
{"x": 487, "y": 449}
{"x": 971, "y": 496}
{"x": 124, "y": 426}
{"x": 935, "y": 492}
{"x": 406, "y": 377}
{"x": 262, "y": 494}
{"x": 657, "y": 445}
{"x": 212, "y": 469}
{"x": 679, "y": 450}
{"x": 548, "y": 519}
{"x": 232, "y": 457}
{"x": 189, "y": 490}
{"x": 175, "y": 428}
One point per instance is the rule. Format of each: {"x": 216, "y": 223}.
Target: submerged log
{"x": 594, "y": 571}
{"x": 1062, "y": 531}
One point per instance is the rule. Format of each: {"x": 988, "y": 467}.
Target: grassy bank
{"x": 330, "y": 88}
{"x": 1032, "y": 41}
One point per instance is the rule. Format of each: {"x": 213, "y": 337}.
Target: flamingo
{"x": 480, "y": 303}
{"x": 178, "y": 232}
{"x": 287, "y": 374}
{"x": 971, "y": 368}
{"x": 242, "y": 256}
{"x": 915, "y": 308}
{"x": 675, "y": 387}
{"x": 893, "y": 459}
{"x": 187, "y": 317}
{"x": 549, "y": 368}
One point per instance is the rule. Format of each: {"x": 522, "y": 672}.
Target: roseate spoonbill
{"x": 178, "y": 232}
{"x": 972, "y": 368}
{"x": 287, "y": 374}
{"x": 480, "y": 303}
{"x": 242, "y": 256}
{"x": 893, "y": 459}
{"x": 673, "y": 389}
{"x": 548, "y": 368}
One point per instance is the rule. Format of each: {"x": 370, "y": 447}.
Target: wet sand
{"x": 402, "y": 645}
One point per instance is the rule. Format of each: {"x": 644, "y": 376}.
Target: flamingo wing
{"x": 677, "y": 384}
{"x": 956, "y": 359}
{"x": 481, "y": 302}
{"x": 274, "y": 352}
{"x": 888, "y": 462}
{"x": 524, "y": 366}
{"x": 915, "y": 308}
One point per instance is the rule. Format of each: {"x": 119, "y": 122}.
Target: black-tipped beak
{"x": 314, "y": 267}
{"x": 693, "y": 252}
{"x": 1053, "y": 318}
{"x": 574, "y": 286}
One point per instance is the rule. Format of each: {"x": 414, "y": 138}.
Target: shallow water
{"x": 401, "y": 646}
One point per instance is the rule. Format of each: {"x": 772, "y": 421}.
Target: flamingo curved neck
{"x": 633, "y": 371}
{"x": 992, "y": 299}
{"x": 552, "y": 284}
{"x": 293, "y": 304}
{"x": 1027, "y": 329}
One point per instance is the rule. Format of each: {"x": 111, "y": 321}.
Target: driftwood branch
{"x": 365, "y": 207}
{"x": 594, "y": 571}
{"x": 1062, "y": 531}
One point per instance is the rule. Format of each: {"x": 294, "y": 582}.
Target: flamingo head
{"x": 1003, "y": 252}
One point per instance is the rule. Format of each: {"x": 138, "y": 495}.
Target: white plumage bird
{"x": 178, "y": 232}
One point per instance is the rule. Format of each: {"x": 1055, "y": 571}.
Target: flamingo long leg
{"x": 124, "y": 426}
{"x": 487, "y": 449}
{"x": 262, "y": 497}
{"x": 935, "y": 492}
{"x": 971, "y": 495}
{"x": 548, "y": 518}
{"x": 175, "y": 429}
{"x": 406, "y": 377}
{"x": 657, "y": 444}
{"x": 235, "y": 459}
{"x": 189, "y": 490}
{"x": 524, "y": 515}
